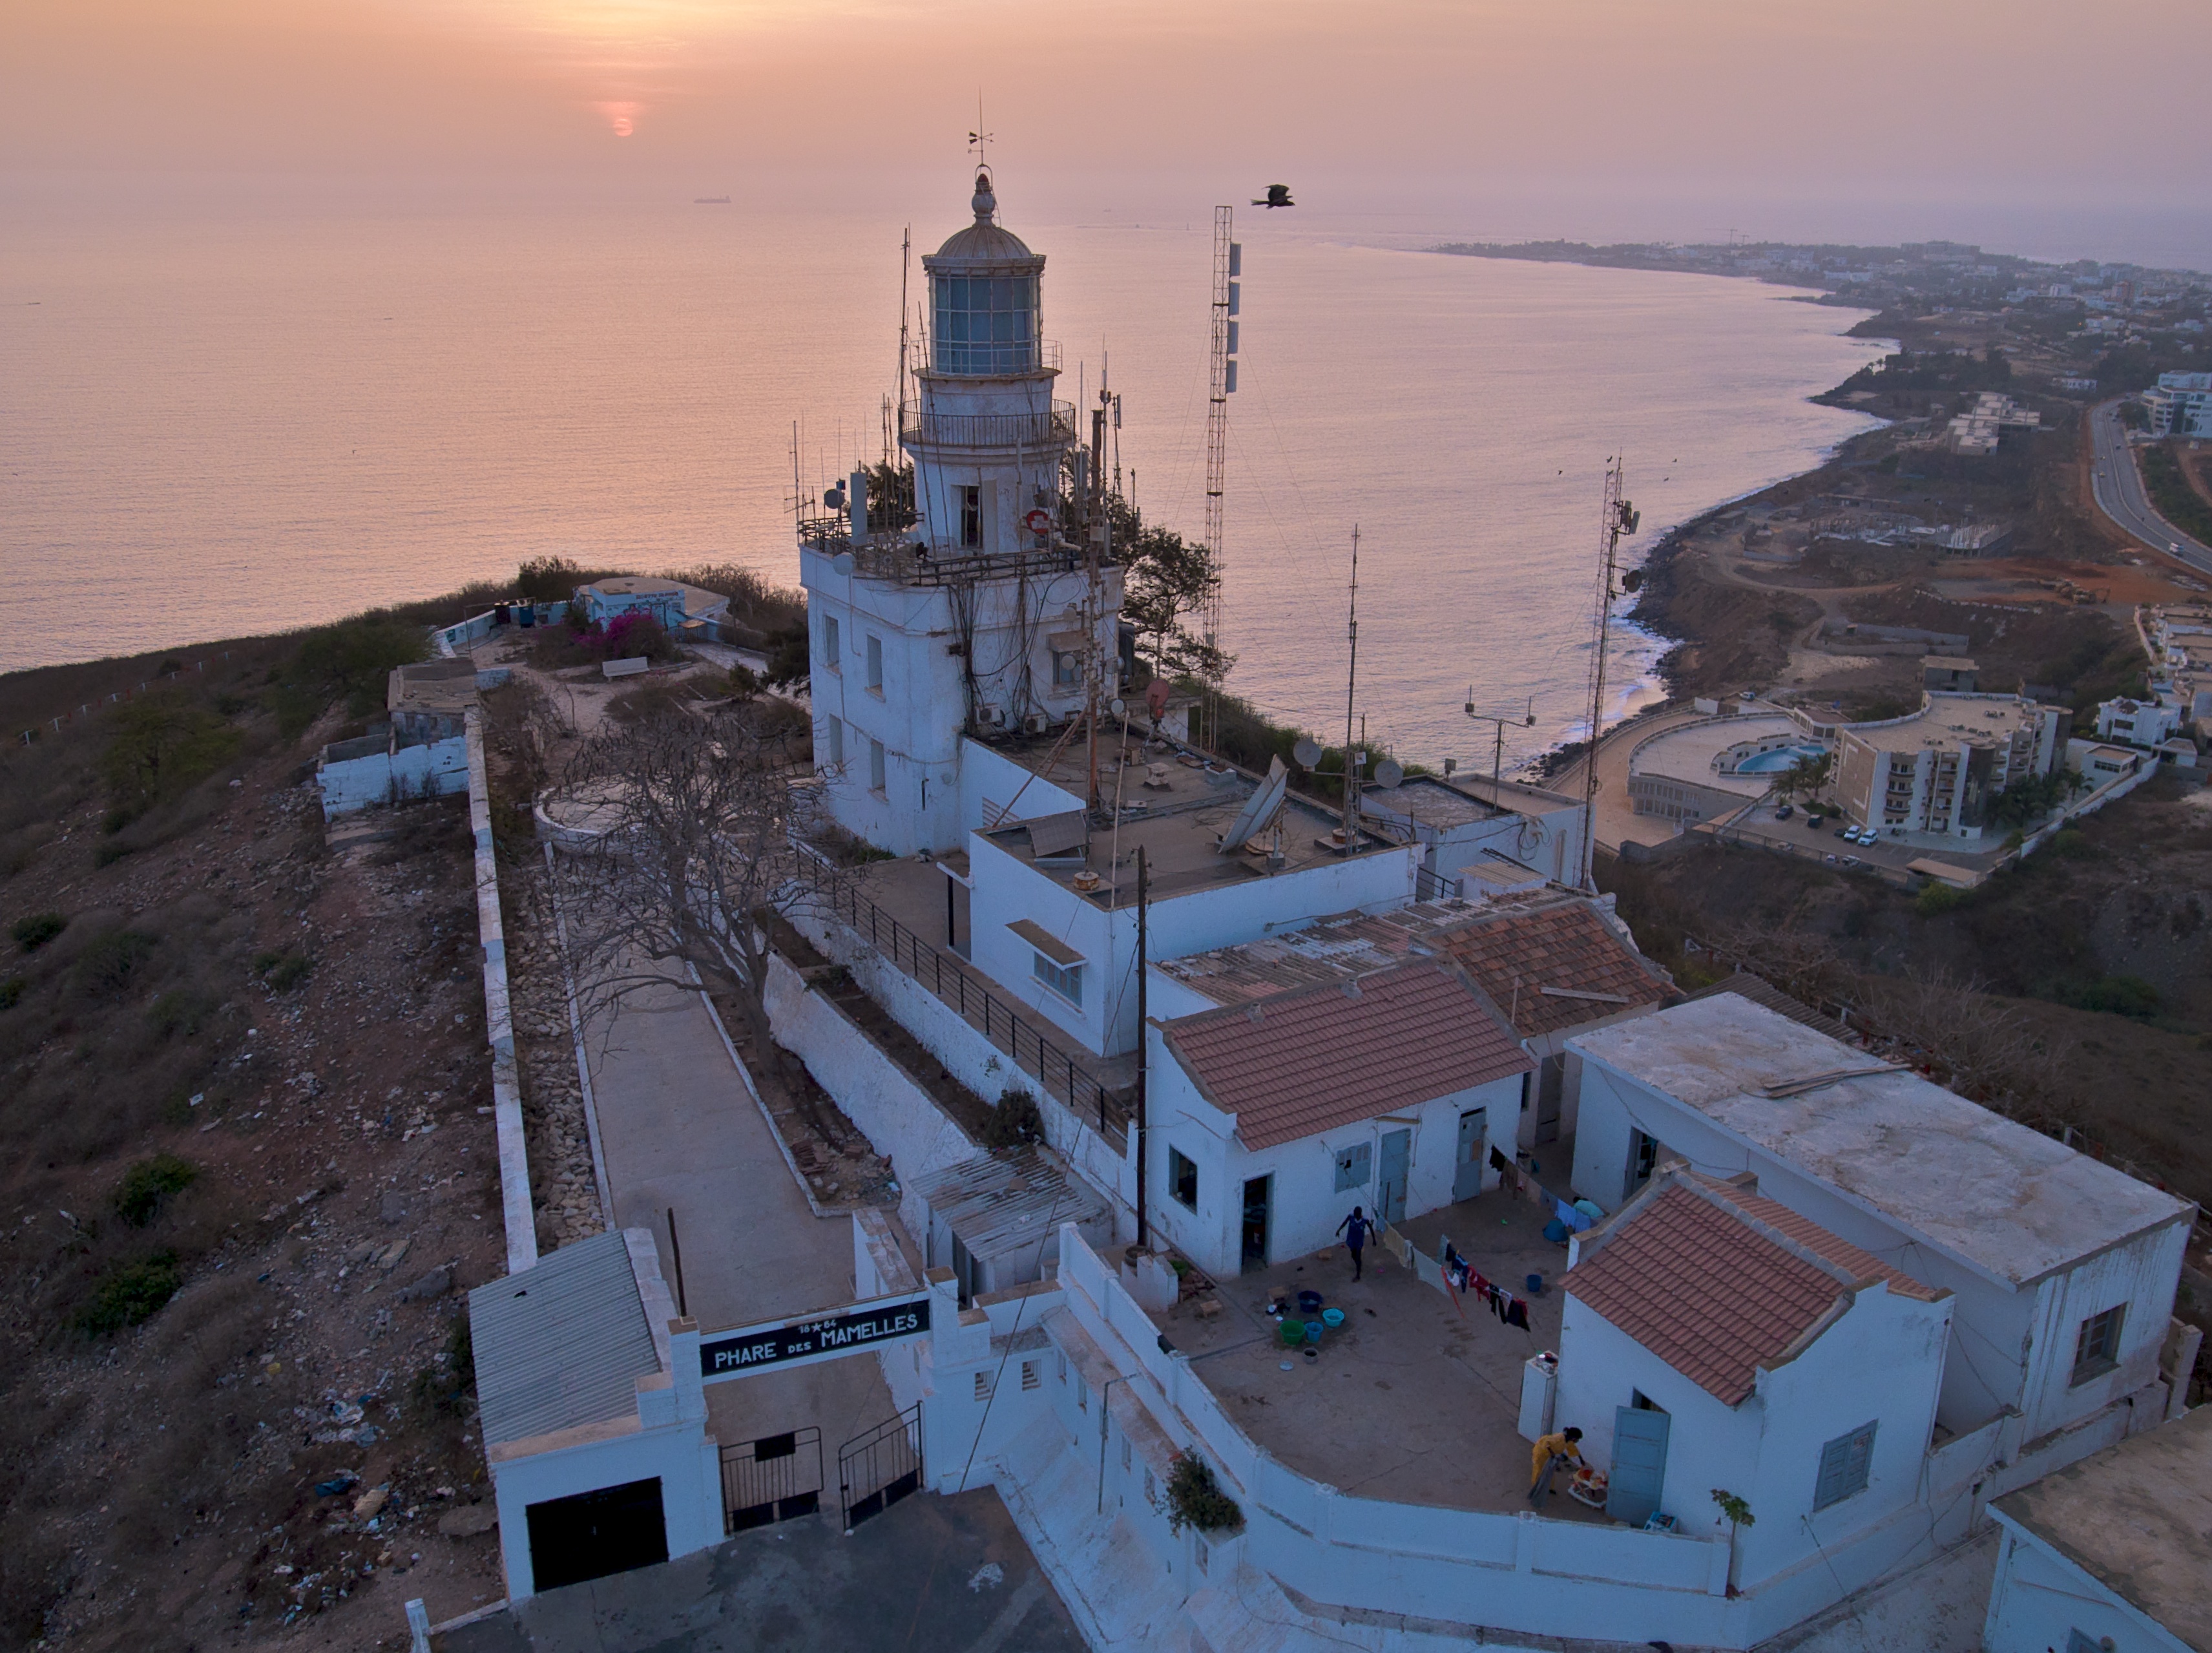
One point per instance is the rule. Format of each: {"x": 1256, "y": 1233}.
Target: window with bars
{"x": 982, "y": 1385}
{"x": 1844, "y": 1462}
{"x": 2097, "y": 1344}
{"x": 1029, "y": 1378}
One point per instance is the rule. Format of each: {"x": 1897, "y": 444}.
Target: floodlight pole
{"x": 1144, "y": 902}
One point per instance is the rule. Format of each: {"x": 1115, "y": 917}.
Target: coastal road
{"x": 2120, "y": 495}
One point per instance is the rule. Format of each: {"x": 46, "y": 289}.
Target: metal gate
{"x": 773, "y": 1479}
{"x": 877, "y": 1469}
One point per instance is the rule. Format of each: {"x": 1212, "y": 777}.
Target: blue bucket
{"x": 1313, "y": 1329}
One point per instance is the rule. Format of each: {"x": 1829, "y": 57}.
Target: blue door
{"x": 1639, "y": 1463}
{"x": 1390, "y": 1195}
{"x": 1466, "y": 1174}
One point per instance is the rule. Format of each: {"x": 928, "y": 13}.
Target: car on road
{"x": 1785, "y": 812}
{"x": 1813, "y": 823}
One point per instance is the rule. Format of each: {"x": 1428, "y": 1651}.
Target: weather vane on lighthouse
{"x": 978, "y": 138}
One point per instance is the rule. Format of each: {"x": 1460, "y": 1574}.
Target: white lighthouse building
{"x": 981, "y": 616}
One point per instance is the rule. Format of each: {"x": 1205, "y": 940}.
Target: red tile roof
{"x": 1322, "y": 1057}
{"x": 1717, "y": 1281}
{"x": 1565, "y": 945}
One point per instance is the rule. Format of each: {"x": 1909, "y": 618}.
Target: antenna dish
{"x": 1306, "y": 752}
{"x": 843, "y": 562}
{"x": 1388, "y": 773}
{"x": 1259, "y": 809}
{"x": 1117, "y": 706}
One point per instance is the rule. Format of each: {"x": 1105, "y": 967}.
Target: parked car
{"x": 1850, "y": 861}
{"x": 1847, "y": 832}
{"x": 1813, "y": 823}
{"x": 1785, "y": 812}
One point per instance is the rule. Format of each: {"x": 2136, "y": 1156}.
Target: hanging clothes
{"x": 1517, "y": 1314}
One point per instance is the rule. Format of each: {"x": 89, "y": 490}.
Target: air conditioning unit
{"x": 1036, "y": 723}
{"x": 990, "y": 717}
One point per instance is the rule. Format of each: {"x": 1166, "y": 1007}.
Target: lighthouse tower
{"x": 980, "y": 619}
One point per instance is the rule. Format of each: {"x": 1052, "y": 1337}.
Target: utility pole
{"x": 1497, "y": 750}
{"x": 1096, "y": 538}
{"x": 1353, "y": 761}
{"x": 1620, "y": 517}
{"x": 1144, "y": 904}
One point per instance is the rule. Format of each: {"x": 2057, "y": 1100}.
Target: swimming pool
{"x": 1770, "y": 763}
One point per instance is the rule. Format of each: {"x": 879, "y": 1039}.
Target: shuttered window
{"x": 1844, "y": 1464}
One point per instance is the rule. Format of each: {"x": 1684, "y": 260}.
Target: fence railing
{"x": 948, "y": 978}
{"x": 1052, "y": 429}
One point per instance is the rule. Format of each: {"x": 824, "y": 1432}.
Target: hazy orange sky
{"x": 1690, "y": 108}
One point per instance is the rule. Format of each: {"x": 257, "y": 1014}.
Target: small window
{"x": 1198, "y": 1550}
{"x": 1643, "y": 1157}
{"x": 875, "y": 664}
{"x": 1029, "y": 1378}
{"x": 1843, "y": 1464}
{"x": 833, "y": 743}
{"x": 875, "y": 765}
{"x": 1182, "y": 1177}
{"x": 971, "y": 517}
{"x": 1352, "y": 1167}
{"x": 1067, "y": 980}
{"x": 1067, "y": 670}
{"x": 1082, "y": 1394}
{"x": 829, "y": 636}
{"x": 2097, "y": 1344}
{"x": 982, "y": 1385}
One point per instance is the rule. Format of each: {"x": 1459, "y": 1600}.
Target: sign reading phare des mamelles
{"x": 816, "y": 1337}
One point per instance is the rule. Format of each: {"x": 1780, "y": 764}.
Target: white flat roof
{"x": 1687, "y": 753}
{"x": 1995, "y": 1195}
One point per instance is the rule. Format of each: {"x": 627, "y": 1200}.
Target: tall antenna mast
{"x": 906, "y": 269}
{"x": 1352, "y": 764}
{"x": 1221, "y": 383}
{"x": 1620, "y": 517}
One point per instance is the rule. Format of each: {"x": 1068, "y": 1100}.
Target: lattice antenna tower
{"x": 1620, "y": 517}
{"x": 1221, "y": 384}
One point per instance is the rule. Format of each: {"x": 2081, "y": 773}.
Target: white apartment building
{"x": 1938, "y": 770}
{"x": 2180, "y": 404}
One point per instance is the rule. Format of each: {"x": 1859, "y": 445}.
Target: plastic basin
{"x": 1313, "y": 1331}
{"x": 1294, "y": 1334}
{"x": 1332, "y": 1318}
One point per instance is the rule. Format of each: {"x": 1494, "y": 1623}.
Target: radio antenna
{"x": 1619, "y": 518}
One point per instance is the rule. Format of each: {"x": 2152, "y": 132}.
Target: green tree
{"x": 160, "y": 745}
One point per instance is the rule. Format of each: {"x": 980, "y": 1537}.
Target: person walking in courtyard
{"x": 1355, "y": 1228}
{"x": 1546, "y": 1459}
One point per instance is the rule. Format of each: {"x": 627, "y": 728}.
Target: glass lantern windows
{"x": 986, "y": 324}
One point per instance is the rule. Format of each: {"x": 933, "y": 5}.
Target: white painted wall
{"x": 431, "y": 769}
{"x": 1004, "y": 887}
{"x": 1881, "y": 1362}
{"x": 1306, "y": 1205}
{"x": 920, "y": 708}
{"x": 2011, "y": 1347}
{"x": 2039, "y": 1599}
{"x": 667, "y": 1439}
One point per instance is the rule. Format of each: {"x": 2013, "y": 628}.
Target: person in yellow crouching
{"x": 1545, "y": 1459}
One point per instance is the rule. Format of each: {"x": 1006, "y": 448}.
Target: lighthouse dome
{"x": 983, "y": 242}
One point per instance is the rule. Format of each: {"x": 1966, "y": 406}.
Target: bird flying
{"x": 1278, "y": 195}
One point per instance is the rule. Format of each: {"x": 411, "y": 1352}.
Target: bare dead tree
{"x": 1989, "y": 1049}
{"x": 694, "y": 845}
{"x": 1803, "y": 963}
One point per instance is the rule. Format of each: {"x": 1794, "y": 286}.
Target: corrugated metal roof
{"x": 1003, "y": 1205}
{"x": 1312, "y": 1060}
{"x": 561, "y": 1343}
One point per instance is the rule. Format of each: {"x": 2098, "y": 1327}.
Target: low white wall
{"x": 975, "y": 1060}
{"x": 433, "y": 769}
{"x": 498, "y": 1017}
{"x": 901, "y": 1120}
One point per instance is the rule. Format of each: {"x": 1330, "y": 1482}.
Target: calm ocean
{"x": 219, "y": 426}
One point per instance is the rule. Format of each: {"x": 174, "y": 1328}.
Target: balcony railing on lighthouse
{"x": 1035, "y": 431}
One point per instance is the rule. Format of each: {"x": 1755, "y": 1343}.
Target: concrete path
{"x": 930, "y": 1575}
{"x": 681, "y": 1132}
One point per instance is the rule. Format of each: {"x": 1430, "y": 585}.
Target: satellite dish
{"x": 1259, "y": 809}
{"x": 1306, "y": 752}
{"x": 1388, "y": 773}
{"x": 1116, "y": 706}
{"x": 843, "y": 562}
